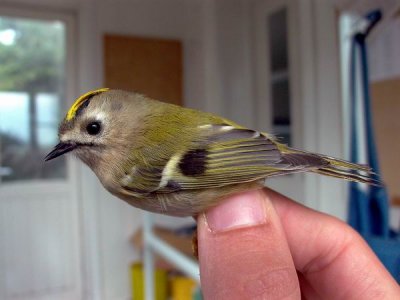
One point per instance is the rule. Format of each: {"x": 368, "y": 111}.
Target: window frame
{"x": 70, "y": 21}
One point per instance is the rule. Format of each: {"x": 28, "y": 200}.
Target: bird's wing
{"x": 223, "y": 155}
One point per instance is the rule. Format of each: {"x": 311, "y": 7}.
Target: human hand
{"x": 262, "y": 245}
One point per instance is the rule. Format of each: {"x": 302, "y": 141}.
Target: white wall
{"x": 216, "y": 36}
{"x": 168, "y": 19}
{"x": 234, "y": 60}
{"x": 108, "y": 223}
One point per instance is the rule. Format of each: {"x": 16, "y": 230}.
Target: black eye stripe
{"x": 83, "y": 106}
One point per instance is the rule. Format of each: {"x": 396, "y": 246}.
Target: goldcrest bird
{"x": 178, "y": 161}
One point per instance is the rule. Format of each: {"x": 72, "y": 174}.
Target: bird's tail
{"x": 330, "y": 166}
{"x": 346, "y": 170}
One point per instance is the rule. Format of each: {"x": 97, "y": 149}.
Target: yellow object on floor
{"x": 183, "y": 288}
{"x": 160, "y": 279}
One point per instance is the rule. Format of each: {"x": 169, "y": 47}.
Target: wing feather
{"x": 233, "y": 155}
{"x": 223, "y": 155}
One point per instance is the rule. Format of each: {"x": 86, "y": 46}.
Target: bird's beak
{"x": 60, "y": 149}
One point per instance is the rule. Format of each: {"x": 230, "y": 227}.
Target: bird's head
{"x": 94, "y": 128}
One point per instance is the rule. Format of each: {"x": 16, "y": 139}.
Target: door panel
{"x": 38, "y": 254}
{"x": 39, "y": 236}
{"x": 145, "y": 65}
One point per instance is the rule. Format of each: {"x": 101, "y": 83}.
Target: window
{"x": 280, "y": 86}
{"x": 32, "y": 90}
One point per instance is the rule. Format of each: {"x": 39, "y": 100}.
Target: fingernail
{"x": 241, "y": 210}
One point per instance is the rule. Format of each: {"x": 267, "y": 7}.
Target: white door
{"x": 39, "y": 237}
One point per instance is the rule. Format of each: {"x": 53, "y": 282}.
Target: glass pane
{"x": 278, "y": 40}
{"x": 280, "y": 110}
{"x": 32, "y": 79}
{"x": 280, "y": 85}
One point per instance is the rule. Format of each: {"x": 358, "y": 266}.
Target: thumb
{"x": 243, "y": 252}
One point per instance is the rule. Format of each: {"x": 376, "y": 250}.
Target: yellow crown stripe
{"x": 78, "y": 102}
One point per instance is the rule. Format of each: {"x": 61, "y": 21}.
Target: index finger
{"x": 333, "y": 259}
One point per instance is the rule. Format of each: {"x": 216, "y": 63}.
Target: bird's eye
{"x": 93, "y": 128}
